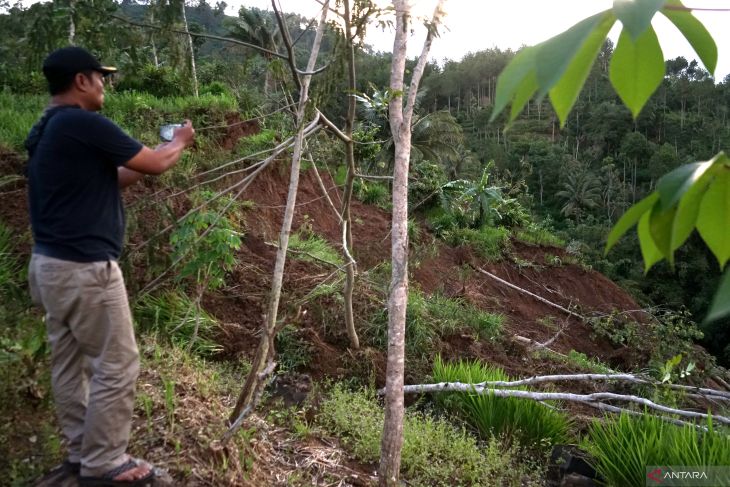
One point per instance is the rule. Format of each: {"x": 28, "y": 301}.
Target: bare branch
{"x": 524, "y": 291}
{"x": 330, "y": 125}
{"x": 555, "y": 396}
{"x": 438, "y": 13}
{"x": 199, "y": 34}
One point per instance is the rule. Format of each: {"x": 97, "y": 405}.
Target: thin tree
{"x": 193, "y": 70}
{"x": 263, "y": 359}
{"x": 400, "y": 125}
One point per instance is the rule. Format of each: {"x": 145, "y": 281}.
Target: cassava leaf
{"x": 696, "y": 33}
{"x": 636, "y": 15}
{"x": 649, "y": 250}
{"x": 713, "y": 221}
{"x": 637, "y": 69}
{"x": 512, "y": 77}
{"x": 565, "y": 92}
{"x": 721, "y": 302}
{"x": 630, "y": 218}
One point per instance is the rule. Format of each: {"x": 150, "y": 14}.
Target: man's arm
{"x": 127, "y": 177}
{"x": 158, "y": 160}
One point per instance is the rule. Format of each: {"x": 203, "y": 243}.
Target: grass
{"x": 538, "y": 235}
{"x": 622, "y": 447}
{"x": 310, "y": 247}
{"x": 140, "y": 114}
{"x": 488, "y": 242}
{"x": 431, "y": 317}
{"x": 577, "y": 360}
{"x": 173, "y": 316}
{"x": 11, "y": 271}
{"x": 293, "y": 350}
{"x": 532, "y": 423}
{"x": 435, "y": 452}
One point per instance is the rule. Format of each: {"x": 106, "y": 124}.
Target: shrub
{"x": 622, "y": 447}
{"x": 532, "y": 423}
{"x": 435, "y": 453}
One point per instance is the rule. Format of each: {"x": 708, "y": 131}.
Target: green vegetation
{"x": 538, "y": 235}
{"x": 431, "y": 317}
{"x": 434, "y": 451}
{"x": 531, "y": 423}
{"x": 622, "y": 447}
{"x": 577, "y": 360}
{"x": 175, "y": 317}
{"x": 310, "y": 247}
{"x": 489, "y": 242}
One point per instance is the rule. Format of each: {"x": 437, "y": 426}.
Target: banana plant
{"x": 694, "y": 196}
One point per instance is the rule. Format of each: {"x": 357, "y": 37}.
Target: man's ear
{"x": 82, "y": 82}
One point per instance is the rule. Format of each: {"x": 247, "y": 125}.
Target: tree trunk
{"x": 350, "y": 156}
{"x": 193, "y": 70}
{"x": 266, "y": 343}
{"x": 400, "y": 124}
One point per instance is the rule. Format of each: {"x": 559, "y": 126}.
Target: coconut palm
{"x": 581, "y": 191}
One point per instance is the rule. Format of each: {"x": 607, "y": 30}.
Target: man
{"x": 78, "y": 161}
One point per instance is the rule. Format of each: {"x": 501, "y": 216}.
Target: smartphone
{"x": 167, "y": 131}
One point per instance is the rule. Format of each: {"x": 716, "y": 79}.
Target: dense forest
{"x": 526, "y": 197}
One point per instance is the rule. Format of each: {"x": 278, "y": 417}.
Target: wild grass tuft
{"x": 622, "y": 447}
{"x": 313, "y": 248}
{"x": 489, "y": 242}
{"x": 435, "y": 453}
{"x": 431, "y": 317}
{"x": 174, "y": 316}
{"x": 538, "y": 235}
{"x": 10, "y": 267}
{"x": 532, "y": 423}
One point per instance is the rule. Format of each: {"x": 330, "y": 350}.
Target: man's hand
{"x": 185, "y": 134}
{"x": 164, "y": 156}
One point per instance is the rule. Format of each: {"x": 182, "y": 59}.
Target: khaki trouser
{"x": 94, "y": 356}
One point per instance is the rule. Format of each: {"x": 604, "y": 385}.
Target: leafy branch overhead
{"x": 560, "y": 66}
{"x": 693, "y": 196}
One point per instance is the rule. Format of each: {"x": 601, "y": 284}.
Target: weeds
{"x": 435, "y": 453}
{"x": 293, "y": 351}
{"x": 532, "y": 423}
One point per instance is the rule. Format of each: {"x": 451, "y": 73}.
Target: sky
{"x": 474, "y": 25}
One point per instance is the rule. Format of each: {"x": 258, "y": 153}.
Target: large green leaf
{"x": 687, "y": 211}
{"x": 630, "y": 218}
{"x": 649, "y": 251}
{"x": 512, "y": 77}
{"x": 696, "y": 33}
{"x": 557, "y": 53}
{"x": 636, "y": 15}
{"x": 721, "y": 303}
{"x": 660, "y": 226}
{"x": 564, "y": 94}
{"x": 637, "y": 69}
{"x": 713, "y": 221}
{"x": 674, "y": 185}
{"x": 524, "y": 92}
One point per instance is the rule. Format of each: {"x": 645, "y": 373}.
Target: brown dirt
{"x": 236, "y": 128}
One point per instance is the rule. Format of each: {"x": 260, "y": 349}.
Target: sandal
{"x": 60, "y": 473}
{"x": 107, "y": 480}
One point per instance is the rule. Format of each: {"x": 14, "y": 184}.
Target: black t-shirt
{"x": 76, "y": 209}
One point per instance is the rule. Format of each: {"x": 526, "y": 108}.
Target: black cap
{"x": 71, "y": 60}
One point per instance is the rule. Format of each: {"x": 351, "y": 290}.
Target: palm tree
{"x": 255, "y": 27}
{"x": 581, "y": 191}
